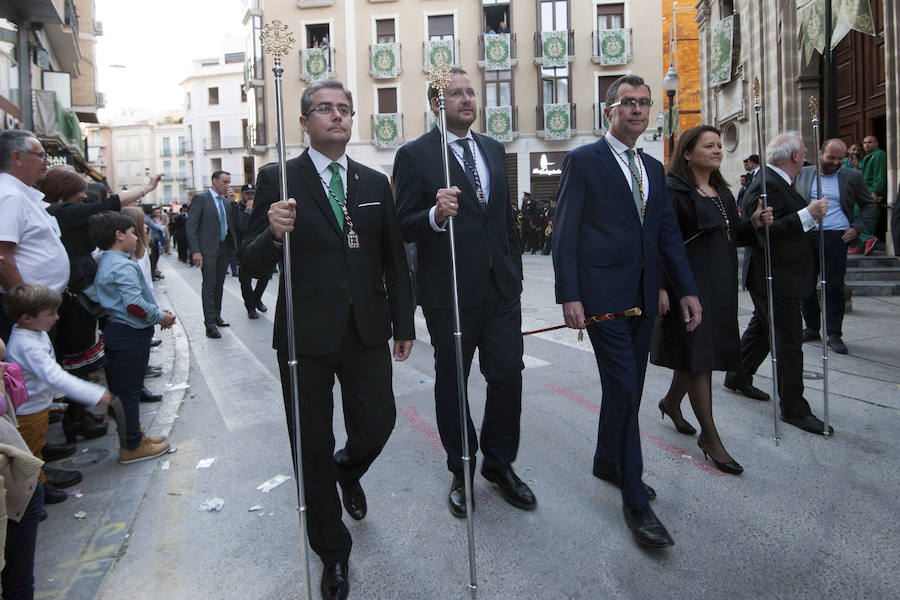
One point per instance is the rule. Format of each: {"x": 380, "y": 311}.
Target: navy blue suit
{"x": 606, "y": 259}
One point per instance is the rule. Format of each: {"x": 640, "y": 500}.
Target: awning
{"x": 60, "y": 154}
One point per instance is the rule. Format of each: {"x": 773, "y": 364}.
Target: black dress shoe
{"x": 252, "y": 314}
{"x": 354, "y": 499}
{"x": 55, "y": 416}
{"x": 809, "y": 423}
{"x": 837, "y": 344}
{"x": 261, "y": 307}
{"x": 152, "y": 371}
{"x": 646, "y": 528}
{"x": 87, "y": 426}
{"x": 514, "y": 490}
{"x": 605, "y": 474}
{"x": 457, "y": 498}
{"x": 44, "y": 513}
{"x": 746, "y": 388}
{"x": 213, "y": 332}
{"x": 335, "y": 583}
{"x": 155, "y": 342}
{"x": 222, "y": 322}
{"x": 53, "y": 495}
{"x": 59, "y": 478}
{"x": 51, "y": 452}
{"x": 810, "y": 335}
{"x": 147, "y": 396}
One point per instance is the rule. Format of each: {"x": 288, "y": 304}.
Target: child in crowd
{"x": 23, "y": 497}
{"x": 132, "y": 312}
{"x": 33, "y": 308}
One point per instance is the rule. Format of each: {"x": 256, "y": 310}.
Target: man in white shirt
{"x": 30, "y": 246}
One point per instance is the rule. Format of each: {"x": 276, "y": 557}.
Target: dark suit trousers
{"x": 369, "y": 413}
{"x": 788, "y": 348}
{"x": 213, "y": 272}
{"x": 251, "y": 296}
{"x": 495, "y": 328}
{"x": 835, "y": 270}
{"x": 621, "y": 347}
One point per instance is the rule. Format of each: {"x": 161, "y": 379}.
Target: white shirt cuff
{"x": 806, "y": 219}
{"x": 434, "y": 225}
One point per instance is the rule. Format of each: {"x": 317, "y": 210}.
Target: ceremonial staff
{"x": 631, "y": 312}
{"x": 776, "y": 399}
{"x": 439, "y": 77}
{"x": 277, "y": 40}
{"x": 814, "y": 111}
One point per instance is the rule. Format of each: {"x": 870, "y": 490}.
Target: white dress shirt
{"x": 619, "y": 148}
{"x": 806, "y": 219}
{"x": 321, "y": 163}
{"x": 484, "y": 175}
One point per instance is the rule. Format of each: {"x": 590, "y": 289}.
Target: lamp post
{"x": 670, "y": 84}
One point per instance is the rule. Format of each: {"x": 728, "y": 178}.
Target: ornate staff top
{"x": 814, "y": 107}
{"x": 439, "y": 76}
{"x": 276, "y": 39}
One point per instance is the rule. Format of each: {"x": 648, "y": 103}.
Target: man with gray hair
{"x": 793, "y": 278}
{"x": 30, "y": 247}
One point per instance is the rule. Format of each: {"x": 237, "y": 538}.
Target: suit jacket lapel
{"x": 614, "y": 173}
{"x": 314, "y": 183}
{"x": 352, "y": 186}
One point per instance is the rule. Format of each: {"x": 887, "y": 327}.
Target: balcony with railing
{"x": 497, "y": 51}
{"x": 255, "y": 138}
{"x": 223, "y": 143}
{"x": 165, "y": 151}
{"x": 554, "y": 48}
{"x": 317, "y": 64}
{"x": 501, "y": 122}
{"x": 167, "y": 177}
{"x": 555, "y": 121}
{"x": 440, "y": 51}
{"x": 64, "y": 39}
{"x": 181, "y": 175}
{"x": 189, "y": 147}
{"x": 387, "y": 130}
{"x": 385, "y": 61}
{"x": 611, "y": 46}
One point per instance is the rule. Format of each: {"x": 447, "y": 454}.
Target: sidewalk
{"x": 73, "y": 555}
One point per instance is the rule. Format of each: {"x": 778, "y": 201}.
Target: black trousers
{"x": 788, "y": 348}
{"x": 367, "y": 397}
{"x": 251, "y": 296}
{"x": 213, "y": 272}
{"x": 495, "y": 328}
{"x": 835, "y": 270}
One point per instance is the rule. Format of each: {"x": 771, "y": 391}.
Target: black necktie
{"x": 469, "y": 168}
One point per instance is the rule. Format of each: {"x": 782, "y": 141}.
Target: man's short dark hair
{"x": 308, "y": 91}
{"x": 217, "y": 174}
{"x": 432, "y": 93}
{"x": 754, "y": 158}
{"x": 12, "y": 140}
{"x": 30, "y": 300}
{"x": 103, "y": 227}
{"x": 632, "y": 80}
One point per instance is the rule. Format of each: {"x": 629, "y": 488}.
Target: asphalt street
{"x": 811, "y": 517}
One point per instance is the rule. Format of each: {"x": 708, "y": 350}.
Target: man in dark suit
{"x": 252, "y": 296}
{"x": 845, "y": 189}
{"x": 793, "y": 278}
{"x": 180, "y": 227}
{"x": 350, "y": 293}
{"x": 489, "y": 277}
{"x": 613, "y": 219}
{"x": 211, "y": 238}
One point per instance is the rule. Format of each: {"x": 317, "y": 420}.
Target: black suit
{"x": 793, "y": 278}
{"x": 251, "y": 296}
{"x": 489, "y": 276}
{"x": 204, "y": 236}
{"x": 346, "y": 304}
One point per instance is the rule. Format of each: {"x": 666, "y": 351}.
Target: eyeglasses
{"x": 327, "y": 108}
{"x": 42, "y": 155}
{"x": 458, "y": 94}
{"x": 629, "y": 102}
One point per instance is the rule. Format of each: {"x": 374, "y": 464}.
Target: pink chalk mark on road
{"x": 660, "y": 443}
{"x": 481, "y": 492}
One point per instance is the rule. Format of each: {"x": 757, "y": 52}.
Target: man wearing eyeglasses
{"x": 614, "y": 222}
{"x": 489, "y": 278}
{"x": 30, "y": 247}
{"x": 350, "y": 293}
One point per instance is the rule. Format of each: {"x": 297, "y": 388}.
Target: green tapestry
{"x": 315, "y": 63}
{"x": 722, "y": 46}
{"x": 614, "y": 46}
{"x": 554, "y": 45}
{"x": 556, "y": 122}
{"x": 846, "y": 15}
{"x": 438, "y": 51}
{"x": 496, "y": 51}
{"x": 498, "y": 122}
{"x": 385, "y": 61}
{"x": 387, "y": 130}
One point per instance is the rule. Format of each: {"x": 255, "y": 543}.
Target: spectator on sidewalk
{"x": 132, "y": 311}
{"x": 180, "y": 227}
{"x": 874, "y": 169}
{"x": 157, "y": 239}
{"x": 34, "y": 309}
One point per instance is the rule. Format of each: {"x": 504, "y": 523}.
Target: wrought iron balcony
{"x": 497, "y": 51}
{"x": 385, "y": 61}
{"x": 317, "y": 64}
{"x": 554, "y": 131}
{"x": 501, "y": 122}
{"x": 438, "y": 50}
{"x": 550, "y": 52}
{"x": 387, "y": 130}
{"x": 611, "y": 46}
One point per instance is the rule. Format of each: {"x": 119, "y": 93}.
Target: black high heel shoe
{"x": 731, "y": 466}
{"x": 683, "y": 427}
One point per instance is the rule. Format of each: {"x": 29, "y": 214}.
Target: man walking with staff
{"x": 614, "y": 220}
{"x": 351, "y": 293}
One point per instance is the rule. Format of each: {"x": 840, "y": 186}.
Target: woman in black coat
{"x": 711, "y": 229}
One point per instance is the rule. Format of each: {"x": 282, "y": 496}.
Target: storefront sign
{"x": 547, "y": 164}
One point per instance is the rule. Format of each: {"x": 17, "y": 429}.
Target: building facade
{"x": 134, "y": 158}
{"x": 541, "y": 69}
{"x": 171, "y": 161}
{"x": 215, "y": 121}
{"x": 763, "y": 42}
